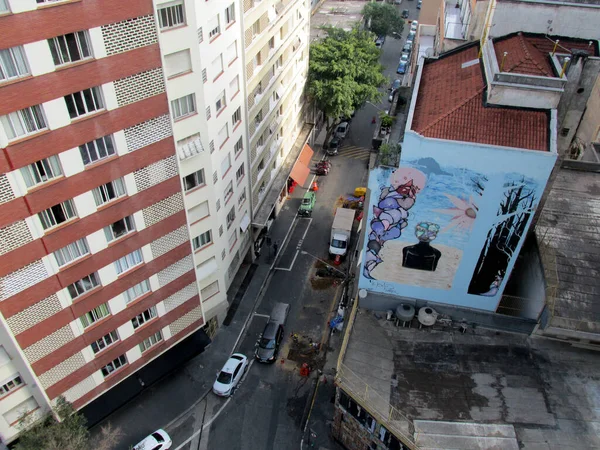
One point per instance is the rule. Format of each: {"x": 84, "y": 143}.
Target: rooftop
{"x": 530, "y": 55}
{"x": 451, "y": 105}
{"x": 568, "y": 235}
{"x": 582, "y": 2}
{"x": 442, "y": 383}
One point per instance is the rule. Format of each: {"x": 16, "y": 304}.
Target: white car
{"x": 404, "y": 57}
{"x": 159, "y": 440}
{"x": 413, "y": 26}
{"x": 342, "y": 130}
{"x": 230, "y": 375}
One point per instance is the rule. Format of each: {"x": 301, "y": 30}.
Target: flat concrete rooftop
{"x": 341, "y": 14}
{"x": 452, "y": 385}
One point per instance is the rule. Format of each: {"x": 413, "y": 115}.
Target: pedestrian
{"x": 275, "y": 248}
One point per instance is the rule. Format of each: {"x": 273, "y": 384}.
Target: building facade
{"x": 138, "y": 139}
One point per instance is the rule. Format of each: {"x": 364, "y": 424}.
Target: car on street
{"x": 159, "y": 440}
{"x": 409, "y": 41}
{"x": 405, "y": 14}
{"x": 230, "y": 375}
{"x": 397, "y": 2}
{"x": 414, "y": 25}
{"x": 402, "y": 67}
{"x": 411, "y": 36}
{"x": 307, "y": 204}
{"x": 395, "y": 86}
{"x": 342, "y": 130}
{"x": 407, "y": 47}
{"x": 379, "y": 41}
{"x": 419, "y": 3}
{"x": 404, "y": 57}
{"x": 333, "y": 146}
{"x": 268, "y": 344}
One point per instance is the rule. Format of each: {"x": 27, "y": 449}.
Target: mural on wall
{"x": 420, "y": 222}
{"x": 516, "y": 208}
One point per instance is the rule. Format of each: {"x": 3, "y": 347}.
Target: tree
{"x": 383, "y": 18}
{"x": 63, "y": 428}
{"x": 343, "y": 73}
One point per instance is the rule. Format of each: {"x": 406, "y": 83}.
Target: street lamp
{"x": 378, "y": 108}
{"x": 304, "y": 252}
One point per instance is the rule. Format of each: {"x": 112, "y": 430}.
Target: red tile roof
{"x": 450, "y": 105}
{"x": 529, "y": 55}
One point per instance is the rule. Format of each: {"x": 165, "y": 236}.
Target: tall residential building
{"x": 139, "y": 141}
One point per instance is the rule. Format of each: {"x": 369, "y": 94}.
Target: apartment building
{"x": 125, "y": 196}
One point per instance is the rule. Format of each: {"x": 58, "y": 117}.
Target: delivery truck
{"x": 340, "y": 232}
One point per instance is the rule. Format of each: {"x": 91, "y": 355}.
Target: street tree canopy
{"x": 384, "y": 18}
{"x": 344, "y": 72}
{"x": 70, "y": 432}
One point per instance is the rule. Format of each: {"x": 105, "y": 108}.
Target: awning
{"x": 301, "y": 170}
{"x": 207, "y": 268}
{"x": 244, "y": 223}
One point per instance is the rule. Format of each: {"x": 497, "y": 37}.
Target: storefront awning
{"x": 244, "y": 223}
{"x": 301, "y": 169}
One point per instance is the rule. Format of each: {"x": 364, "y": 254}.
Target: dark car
{"x": 405, "y": 14}
{"x": 267, "y": 347}
{"x": 379, "y": 41}
{"x": 333, "y": 146}
{"x": 402, "y": 67}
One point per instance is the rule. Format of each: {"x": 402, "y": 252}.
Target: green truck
{"x": 308, "y": 203}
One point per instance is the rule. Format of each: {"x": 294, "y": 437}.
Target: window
{"x": 255, "y": 28}
{"x": 223, "y": 135}
{"x": 203, "y": 240}
{"x": 194, "y": 180}
{"x": 41, "y": 171}
{"x": 208, "y": 114}
{"x": 230, "y": 13}
{"x": 221, "y": 102}
{"x": 272, "y": 43}
{"x": 70, "y": 48}
{"x": 210, "y": 290}
{"x": 230, "y": 217}
{"x": 257, "y": 60}
{"x": 215, "y": 179}
{"x": 84, "y": 102}
{"x": 114, "y": 365}
{"x": 151, "y": 341}
{"x": 97, "y": 150}
{"x": 14, "y": 415}
{"x": 109, "y": 191}
{"x": 71, "y": 252}
{"x": 178, "y": 63}
{"x": 13, "y": 63}
{"x": 119, "y": 229}
{"x": 236, "y": 117}
{"x": 94, "y": 315}
{"x": 238, "y": 147}
{"x": 211, "y": 146}
{"x": 198, "y": 212}
{"x": 128, "y": 261}
{"x": 242, "y": 197}
{"x": 57, "y": 214}
{"x": 218, "y": 206}
{"x": 217, "y": 66}
{"x": 3, "y": 6}
{"x": 24, "y": 122}
{"x": 10, "y": 385}
{"x": 204, "y": 75}
{"x": 221, "y": 230}
{"x": 239, "y": 174}
{"x": 214, "y": 27}
{"x": 82, "y": 286}
{"x": 232, "y": 52}
{"x": 232, "y": 239}
{"x": 171, "y": 15}
{"x": 228, "y": 193}
{"x": 184, "y": 106}
{"x": 234, "y": 86}
{"x": 105, "y": 341}
{"x": 144, "y": 317}
{"x": 258, "y": 118}
{"x": 226, "y": 164}
{"x": 4, "y": 358}
{"x": 136, "y": 291}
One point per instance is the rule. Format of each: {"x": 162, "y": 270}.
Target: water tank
{"x": 427, "y": 316}
{"x": 405, "y": 313}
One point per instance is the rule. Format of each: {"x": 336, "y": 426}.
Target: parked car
{"x": 410, "y": 42}
{"x": 342, "y": 130}
{"x": 404, "y": 57}
{"x": 333, "y": 146}
{"x": 159, "y": 440}
{"x": 397, "y": 2}
{"x": 407, "y": 47}
{"x": 379, "y": 41}
{"x": 393, "y": 89}
{"x": 405, "y": 14}
{"x": 307, "y": 204}
{"x": 414, "y": 25}
{"x": 402, "y": 67}
{"x": 419, "y": 3}
{"x": 230, "y": 375}
{"x": 411, "y": 35}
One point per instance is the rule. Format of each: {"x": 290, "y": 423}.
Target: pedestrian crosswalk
{"x": 354, "y": 152}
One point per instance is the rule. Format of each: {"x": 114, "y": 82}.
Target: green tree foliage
{"x": 70, "y": 432}
{"x": 344, "y": 72}
{"x": 384, "y": 18}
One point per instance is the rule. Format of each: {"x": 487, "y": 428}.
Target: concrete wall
{"x": 589, "y": 127}
{"x": 447, "y": 226}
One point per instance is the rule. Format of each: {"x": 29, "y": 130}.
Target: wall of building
{"x": 589, "y": 127}
{"x": 448, "y": 224}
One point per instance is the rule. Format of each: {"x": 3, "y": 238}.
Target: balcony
{"x": 190, "y": 149}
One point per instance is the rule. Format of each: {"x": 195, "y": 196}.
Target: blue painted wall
{"x": 448, "y": 224}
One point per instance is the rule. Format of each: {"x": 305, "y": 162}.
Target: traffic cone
{"x": 315, "y": 186}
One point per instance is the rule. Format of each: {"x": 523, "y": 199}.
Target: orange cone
{"x": 315, "y": 186}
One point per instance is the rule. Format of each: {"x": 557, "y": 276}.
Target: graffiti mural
{"x": 517, "y": 205}
{"x": 420, "y": 222}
